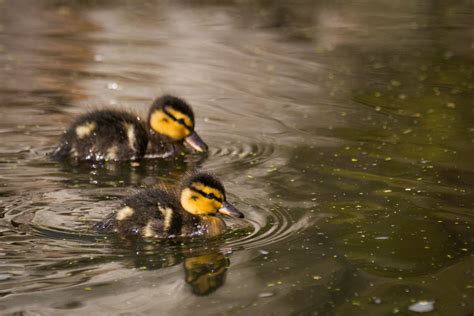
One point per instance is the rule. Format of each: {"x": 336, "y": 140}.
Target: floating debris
{"x": 264, "y": 252}
{"x": 266, "y": 294}
{"x": 422, "y": 307}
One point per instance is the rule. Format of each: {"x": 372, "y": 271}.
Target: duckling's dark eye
{"x": 210, "y": 196}
{"x": 181, "y": 121}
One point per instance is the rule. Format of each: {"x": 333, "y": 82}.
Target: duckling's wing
{"x": 107, "y": 224}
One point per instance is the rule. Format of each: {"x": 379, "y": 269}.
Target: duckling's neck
{"x": 161, "y": 145}
{"x": 210, "y": 226}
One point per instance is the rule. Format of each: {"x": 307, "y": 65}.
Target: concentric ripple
{"x": 244, "y": 153}
{"x": 269, "y": 226}
{"x": 262, "y": 226}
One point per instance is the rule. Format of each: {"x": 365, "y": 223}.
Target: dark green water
{"x": 344, "y": 132}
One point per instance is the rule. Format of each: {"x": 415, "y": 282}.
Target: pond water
{"x": 344, "y": 132}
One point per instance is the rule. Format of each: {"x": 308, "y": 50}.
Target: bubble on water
{"x": 422, "y": 307}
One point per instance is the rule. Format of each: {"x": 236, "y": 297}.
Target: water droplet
{"x": 376, "y": 300}
{"x": 113, "y": 86}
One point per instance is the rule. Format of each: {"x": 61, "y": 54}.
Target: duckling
{"x": 162, "y": 213}
{"x": 120, "y": 136}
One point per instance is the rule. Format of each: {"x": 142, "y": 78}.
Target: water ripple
{"x": 270, "y": 226}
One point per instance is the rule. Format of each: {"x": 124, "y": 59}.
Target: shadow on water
{"x": 342, "y": 130}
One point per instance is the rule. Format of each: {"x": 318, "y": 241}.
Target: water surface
{"x": 343, "y": 131}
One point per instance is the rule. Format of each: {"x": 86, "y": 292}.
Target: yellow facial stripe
{"x": 163, "y": 124}
{"x": 178, "y": 115}
{"x": 197, "y": 204}
{"x": 207, "y": 189}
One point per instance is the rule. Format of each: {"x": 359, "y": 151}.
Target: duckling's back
{"x": 104, "y": 135}
{"x": 149, "y": 213}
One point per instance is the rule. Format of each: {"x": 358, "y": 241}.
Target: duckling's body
{"x": 119, "y": 136}
{"x": 104, "y": 135}
{"x": 160, "y": 213}
{"x": 157, "y": 213}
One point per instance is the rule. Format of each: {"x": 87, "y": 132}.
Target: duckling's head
{"x": 174, "y": 118}
{"x": 203, "y": 194}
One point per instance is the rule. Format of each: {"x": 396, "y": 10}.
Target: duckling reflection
{"x": 207, "y": 272}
